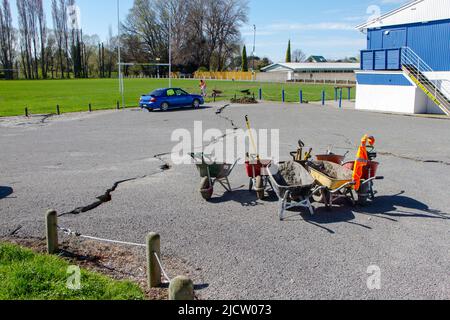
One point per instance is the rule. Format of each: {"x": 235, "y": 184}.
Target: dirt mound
{"x": 244, "y": 100}
{"x": 293, "y": 174}
{"x": 332, "y": 170}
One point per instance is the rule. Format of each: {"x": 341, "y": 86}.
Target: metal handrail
{"x": 412, "y": 58}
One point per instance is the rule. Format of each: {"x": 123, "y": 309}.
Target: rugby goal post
{"x": 121, "y": 75}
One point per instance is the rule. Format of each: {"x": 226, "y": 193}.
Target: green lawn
{"x": 25, "y": 275}
{"x": 42, "y": 96}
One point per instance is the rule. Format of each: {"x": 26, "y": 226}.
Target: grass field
{"x": 42, "y": 96}
{"x": 25, "y": 275}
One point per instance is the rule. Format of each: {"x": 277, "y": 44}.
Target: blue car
{"x": 165, "y": 99}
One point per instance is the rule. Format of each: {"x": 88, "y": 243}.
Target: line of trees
{"x": 205, "y": 35}
{"x": 34, "y": 50}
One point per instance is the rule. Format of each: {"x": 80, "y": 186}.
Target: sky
{"x": 320, "y": 27}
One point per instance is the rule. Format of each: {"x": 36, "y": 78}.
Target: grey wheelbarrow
{"x": 293, "y": 185}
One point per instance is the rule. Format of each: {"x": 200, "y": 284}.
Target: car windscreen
{"x": 158, "y": 93}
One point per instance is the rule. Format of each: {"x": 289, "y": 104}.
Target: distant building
{"x": 310, "y": 72}
{"x": 316, "y": 59}
{"x": 406, "y": 66}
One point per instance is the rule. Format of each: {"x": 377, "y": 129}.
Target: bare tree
{"x": 299, "y": 56}
{"x": 6, "y": 39}
{"x": 59, "y": 29}
{"x": 42, "y": 26}
{"x": 204, "y": 32}
{"x": 25, "y": 38}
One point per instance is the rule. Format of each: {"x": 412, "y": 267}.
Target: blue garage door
{"x": 395, "y": 38}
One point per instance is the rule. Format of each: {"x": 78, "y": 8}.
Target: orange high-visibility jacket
{"x": 362, "y": 160}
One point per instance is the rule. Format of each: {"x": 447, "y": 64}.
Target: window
{"x": 170, "y": 92}
{"x": 180, "y": 92}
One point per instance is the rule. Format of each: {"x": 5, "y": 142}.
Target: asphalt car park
{"x": 235, "y": 244}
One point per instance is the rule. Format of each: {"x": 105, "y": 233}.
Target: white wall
{"x": 444, "y": 77}
{"x": 399, "y": 99}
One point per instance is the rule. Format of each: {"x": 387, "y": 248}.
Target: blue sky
{"x": 320, "y": 27}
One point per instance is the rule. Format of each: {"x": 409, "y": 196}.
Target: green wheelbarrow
{"x": 211, "y": 173}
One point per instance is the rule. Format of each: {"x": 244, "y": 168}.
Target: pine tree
{"x": 244, "y": 60}
{"x": 288, "y": 53}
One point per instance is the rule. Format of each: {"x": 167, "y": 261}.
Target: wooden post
{"x": 52, "y": 232}
{"x": 340, "y": 98}
{"x": 283, "y": 97}
{"x": 349, "y": 94}
{"x": 181, "y": 289}
{"x": 323, "y": 97}
{"x": 301, "y": 96}
{"x": 90, "y": 107}
{"x": 26, "y": 112}
{"x": 153, "y": 267}
{"x": 118, "y": 105}
{"x": 260, "y": 93}
{"x": 57, "y": 110}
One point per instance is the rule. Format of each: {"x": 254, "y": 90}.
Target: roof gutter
{"x": 365, "y": 26}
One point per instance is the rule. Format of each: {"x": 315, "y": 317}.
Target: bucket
{"x": 249, "y": 167}
{"x": 334, "y": 158}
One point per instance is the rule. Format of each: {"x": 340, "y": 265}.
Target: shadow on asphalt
{"x": 5, "y": 192}
{"x": 384, "y": 207}
{"x": 197, "y": 287}
{"x": 243, "y": 197}
{"x": 400, "y": 206}
{"x": 176, "y": 109}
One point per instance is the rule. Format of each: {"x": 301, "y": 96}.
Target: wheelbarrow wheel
{"x": 259, "y": 187}
{"x": 320, "y": 197}
{"x": 206, "y": 189}
{"x": 364, "y": 194}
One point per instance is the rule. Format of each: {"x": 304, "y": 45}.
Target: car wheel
{"x": 164, "y": 106}
{"x": 196, "y": 104}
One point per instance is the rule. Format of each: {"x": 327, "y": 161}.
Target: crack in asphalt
{"x": 107, "y": 196}
{"x": 390, "y": 154}
{"x": 45, "y": 117}
{"x": 231, "y": 121}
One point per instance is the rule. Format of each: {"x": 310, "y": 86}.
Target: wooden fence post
{"x": 153, "y": 267}
{"x": 52, "y": 232}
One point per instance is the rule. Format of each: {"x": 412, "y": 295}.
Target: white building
{"x": 310, "y": 72}
{"x": 406, "y": 66}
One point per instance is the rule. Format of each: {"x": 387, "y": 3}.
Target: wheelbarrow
{"x": 211, "y": 173}
{"x": 292, "y": 190}
{"x": 339, "y": 185}
{"x": 367, "y": 191}
{"x": 257, "y": 171}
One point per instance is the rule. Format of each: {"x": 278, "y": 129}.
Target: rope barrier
{"x": 69, "y": 232}
{"x": 162, "y": 268}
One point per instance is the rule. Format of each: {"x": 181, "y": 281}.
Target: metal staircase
{"x": 436, "y": 90}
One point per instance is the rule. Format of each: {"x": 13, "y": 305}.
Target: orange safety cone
{"x": 362, "y": 160}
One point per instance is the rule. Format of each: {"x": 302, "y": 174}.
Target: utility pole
{"x": 170, "y": 49}
{"x": 254, "y": 47}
